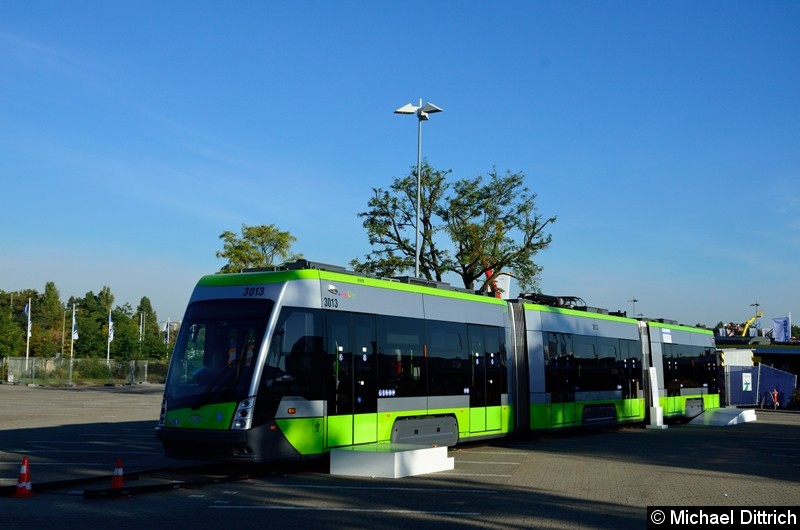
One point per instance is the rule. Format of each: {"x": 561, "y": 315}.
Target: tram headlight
{"x": 243, "y": 417}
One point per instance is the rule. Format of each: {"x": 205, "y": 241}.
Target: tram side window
{"x": 607, "y": 368}
{"x": 607, "y": 351}
{"x": 295, "y": 359}
{"x": 672, "y": 370}
{"x": 402, "y": 370}
{"x": 448, "y": 360}
{"x": 496, "y": 374}
{"x": 365, "y": 393}
{"x": 585, "y": 347}
{"x": 689, "y": 368}
{"x": 629, "y": 368}
{"x": 709, "y": 365}
{"x": 560, "y": 366}
{"x": 599, "y": 370}
{"x": 694, "y": 367}
{"x": 631, "y": 350}
{"x": 477, "y": 353}
{"x": 559, "y": 345}
{"x": 339, "y": 364}
{"x": 586, "y": 357}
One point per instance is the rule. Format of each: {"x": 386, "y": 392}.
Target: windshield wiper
{"x": 207, "y": 391}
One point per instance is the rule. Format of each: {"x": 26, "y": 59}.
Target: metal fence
{"x": 91, "y": 371}
{"x": 753, "y": 385}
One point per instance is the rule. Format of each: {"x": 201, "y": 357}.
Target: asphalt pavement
{"x": 603, "y": 479}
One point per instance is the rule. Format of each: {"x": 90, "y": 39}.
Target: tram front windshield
{"x": 216, "y": 351}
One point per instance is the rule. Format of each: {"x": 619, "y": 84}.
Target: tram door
{"x": 352, "y": 399}
{"x": 488, "y": 378}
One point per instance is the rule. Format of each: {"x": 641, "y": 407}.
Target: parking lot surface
{"x": 603, "y": 479}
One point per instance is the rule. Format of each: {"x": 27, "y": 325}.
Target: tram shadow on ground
{"x": 602, "y": 479}
{"x": 441, "y": 500}
{"x": 766, "y": 448}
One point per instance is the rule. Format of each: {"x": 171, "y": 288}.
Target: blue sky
{"x": 663, "y": 135}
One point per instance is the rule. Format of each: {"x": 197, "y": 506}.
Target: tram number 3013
{"x": 253, "y": 291}
{"x": 331, "y": 303}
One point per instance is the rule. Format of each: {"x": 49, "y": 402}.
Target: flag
{"x": 110, "y": 327}
{"x": 141, "y": 326}
{"x": 74, "y": 325}
{"x": 27, "y": 311}
{"x": 166, "y": 332}
{"x": 781, "y": 329}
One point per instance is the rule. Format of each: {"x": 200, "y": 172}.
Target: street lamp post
{"x": 73, "y": 336}
{"x": 422, "y": 113}
{"x": 756, "y": 315}
{"x": 633, "y": 301}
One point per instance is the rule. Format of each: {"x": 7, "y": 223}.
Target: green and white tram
{"x": 583, "y": 367}
{"x": 688, "y": 368}
{"x": 293, "y": 362}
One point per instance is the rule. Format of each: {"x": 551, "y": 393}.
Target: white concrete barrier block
{"x": 389, "y": 460}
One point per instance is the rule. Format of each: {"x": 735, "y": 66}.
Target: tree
{"x": 491, "y": 229}
{"x": 151, "y": 340}
{"x": 258, "y": 246}
{"x": 50, "y": 323}
{"x": 91, "y": 317}
{"x": 12, "y": 336}
{"x": 391, "y": 223}
{"x": 51, "y": 310}
{"x": 33, "y": 344}
{"x": 483, "y": 221}
{"x": 105, "y": 298}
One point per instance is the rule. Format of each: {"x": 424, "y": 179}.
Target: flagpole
{"x": 63, "y": 332}
{"x": 28, "y": 339}
{"x": 141, "y": 332}
{"x": 71, "y": 344}
{"x": 108, "y": 345}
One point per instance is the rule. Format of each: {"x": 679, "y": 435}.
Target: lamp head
{"x": 408, "y": 108}
{"x": 430, "y": 108}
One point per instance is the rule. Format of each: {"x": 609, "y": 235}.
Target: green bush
{"x": 94, "y": 369}
{"x": 795, "y": 401}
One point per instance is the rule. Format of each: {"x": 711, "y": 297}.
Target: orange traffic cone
{"x": 118, "y": 479}
{"x": 24, "y": 488}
